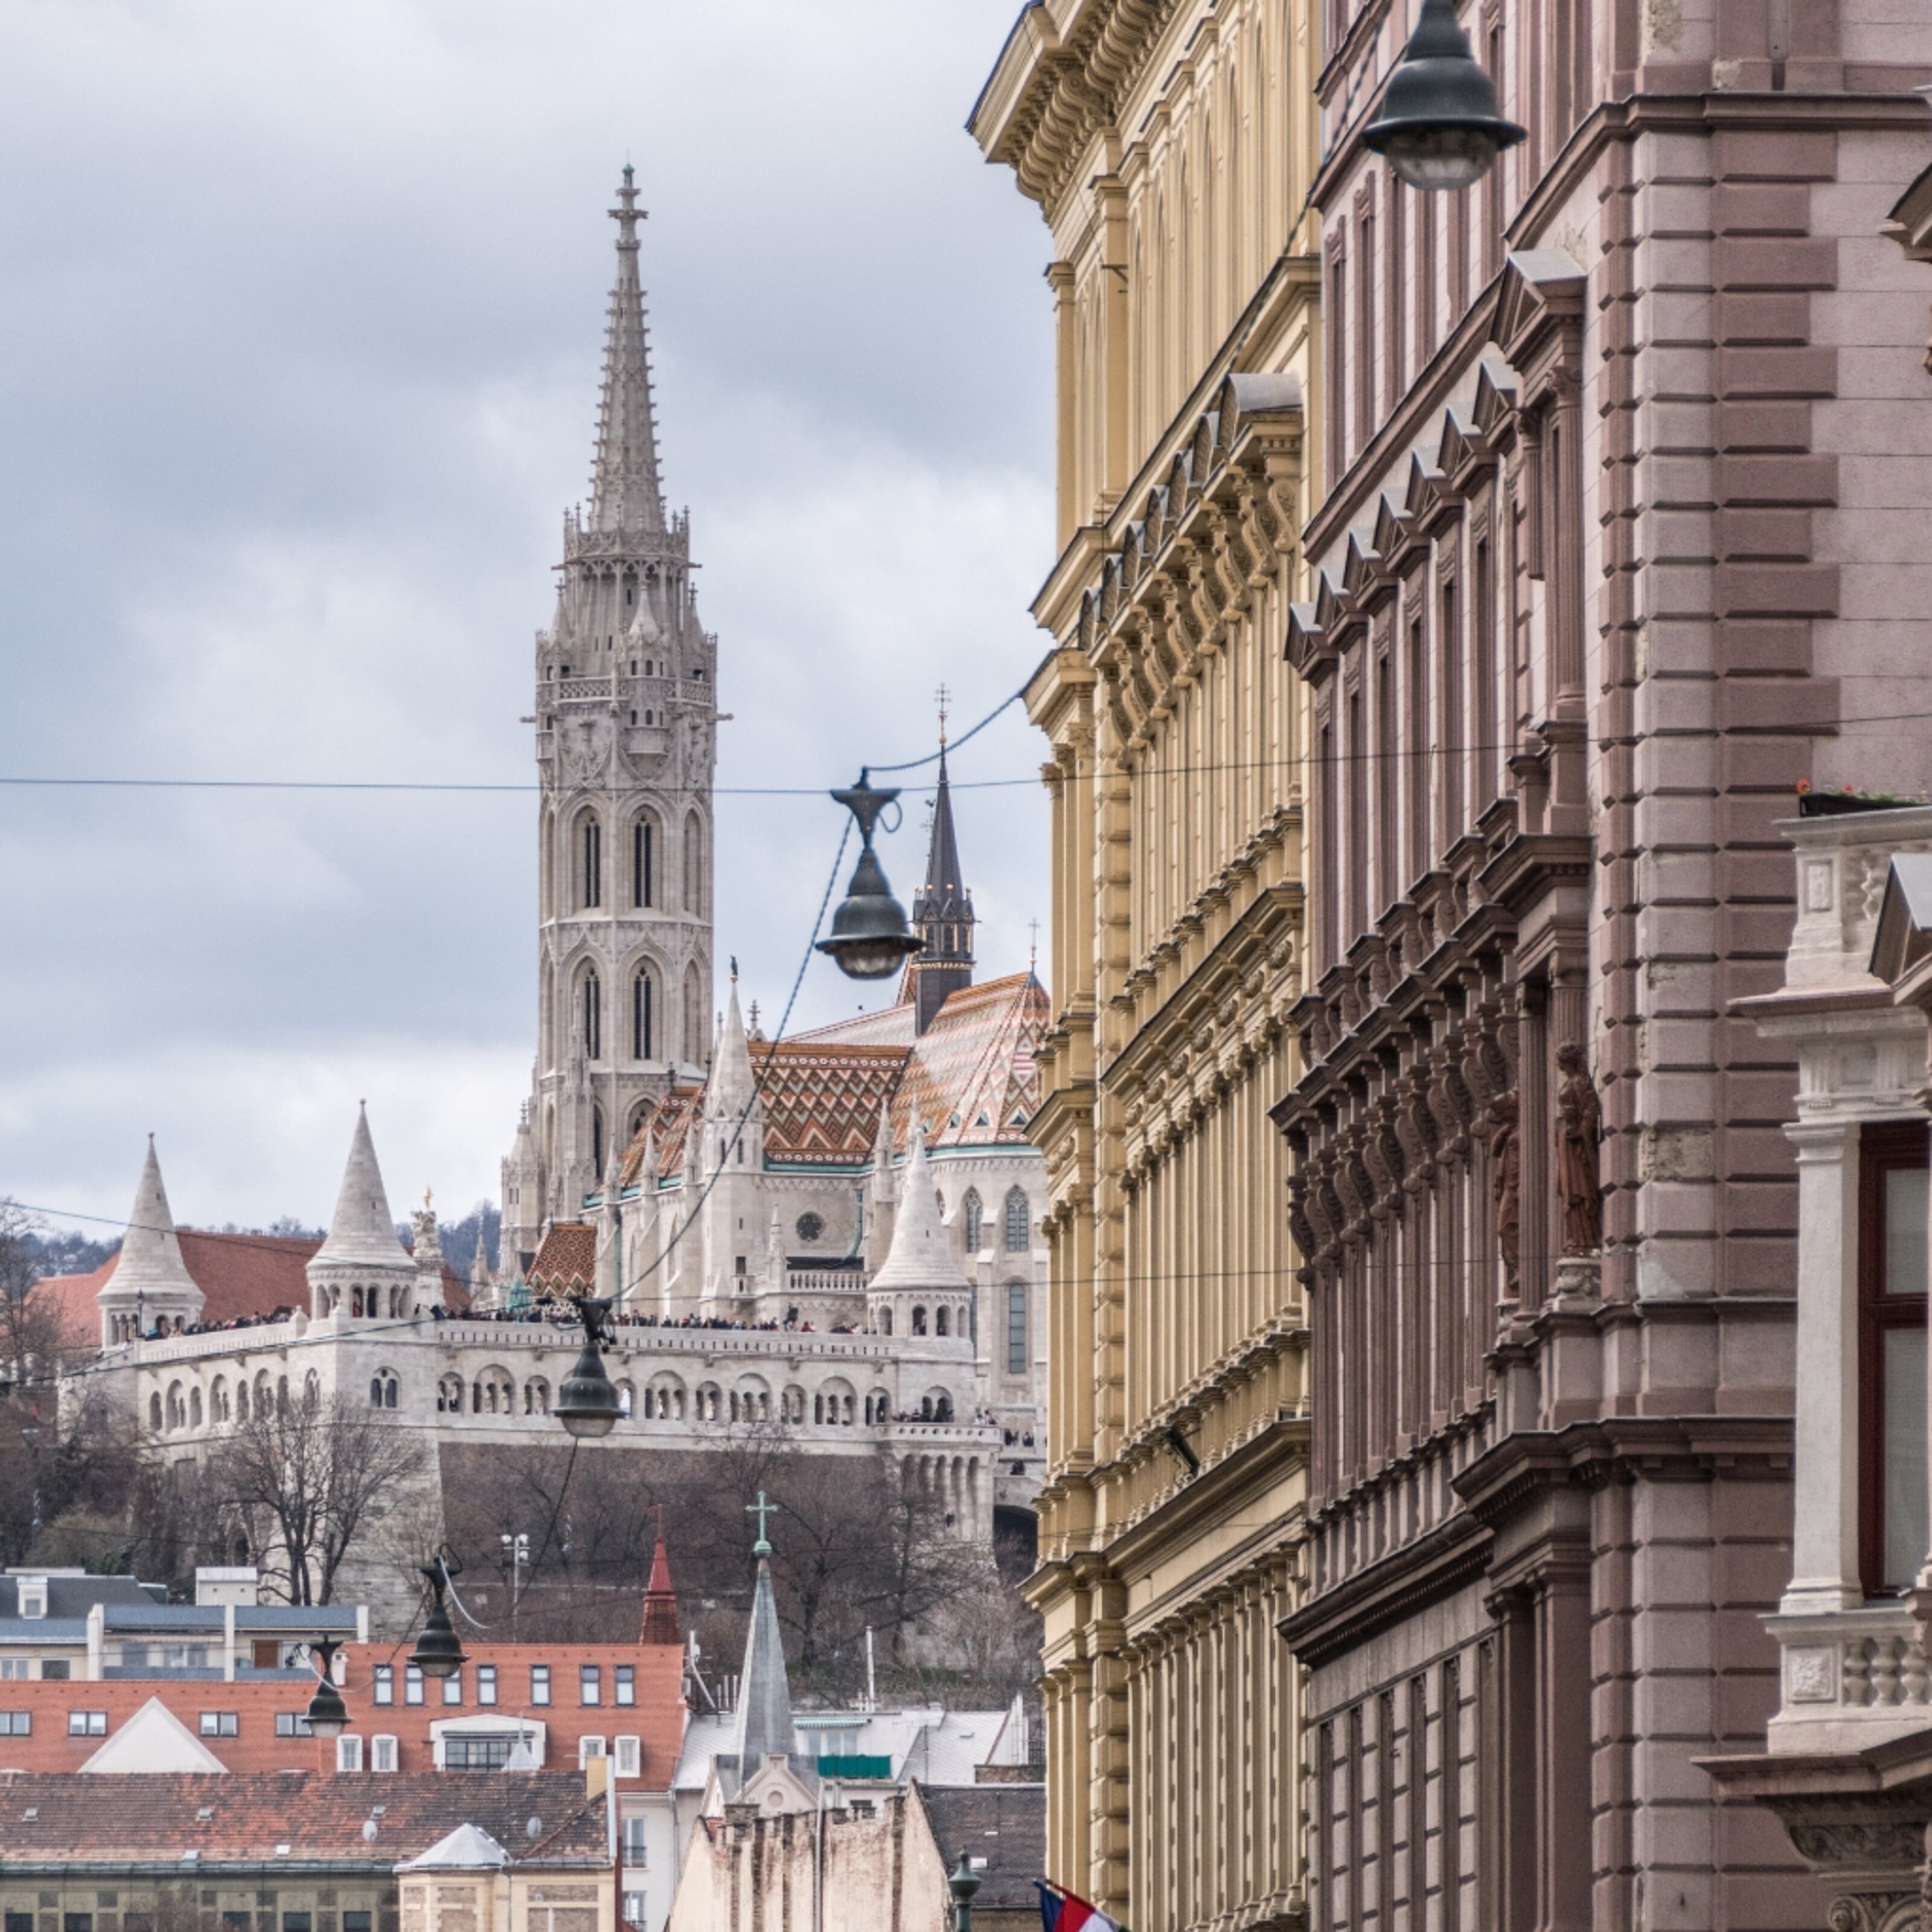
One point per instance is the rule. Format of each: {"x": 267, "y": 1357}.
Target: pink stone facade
{"x": 1624, "y": 538}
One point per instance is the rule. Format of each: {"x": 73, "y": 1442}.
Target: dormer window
{"x": 33, "y": 1596}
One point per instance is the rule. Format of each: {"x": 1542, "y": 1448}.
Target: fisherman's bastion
{"x": 835, "y": 1237}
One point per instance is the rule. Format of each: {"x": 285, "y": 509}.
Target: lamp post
{"x": 1440, "y": 125}
{"x": 439, "y": 1651}
{"x": 328, "y": 1715}
{"x": 870, "y": 938}
{"x": 586, "y": 1402}
{"x": 962, "y": 1882}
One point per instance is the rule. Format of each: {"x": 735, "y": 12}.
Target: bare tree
{"x": 310, "y": 1478}
{"x": 32, "y": 1340}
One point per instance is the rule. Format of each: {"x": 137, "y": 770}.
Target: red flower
{"x": 1804, "y": 786}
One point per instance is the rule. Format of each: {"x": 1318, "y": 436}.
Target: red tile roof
{"x": 275, "y": 1818}
{"x": 656, "y": 1719}
{"x": 239, "y": 1275}
{"x": 823, "y": 1103}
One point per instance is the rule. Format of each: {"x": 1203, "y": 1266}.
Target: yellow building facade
{"x": 1169, "y": 145}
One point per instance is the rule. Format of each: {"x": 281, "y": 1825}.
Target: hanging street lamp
{"x": 962, "y": 1882}
{"x": 870, "y": 938}
{"x": 586, "y": 1402}
{"x": 439, "y": 1651}
{"x": 327, "y": 1715}
{"x": 1440, "y": 126}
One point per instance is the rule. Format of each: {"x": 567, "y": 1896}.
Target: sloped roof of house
{"x": 51, "y": 1818}
{"x": 1005, "y": 1824}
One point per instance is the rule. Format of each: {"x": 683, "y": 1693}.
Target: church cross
{"x": 761, "y": 1509}
{"x": 945, "y": 698}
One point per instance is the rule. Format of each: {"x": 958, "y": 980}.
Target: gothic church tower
{"x": 626, "y": 742}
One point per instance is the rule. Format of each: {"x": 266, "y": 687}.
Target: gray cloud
{"x": 300, "y": 316}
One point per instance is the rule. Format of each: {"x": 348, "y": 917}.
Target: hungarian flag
{"x": 1063, "y": 1911}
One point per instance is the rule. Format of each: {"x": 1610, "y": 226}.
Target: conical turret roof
{"x": 732, "y": 1084}
{"x": 625, "y": 493}
{"x": 661, "y": 1623}
{"x": 150, "y": 1265}
{"x": 921, "y": 1254}
{"x": 363, "y": 1231}
{"x": 944, "y": 897}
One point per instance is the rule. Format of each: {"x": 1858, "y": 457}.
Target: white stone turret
{"x": 482, "y": 1286}
{"x": 150, "y": 1285}
{"x": 880, "y": 1193}
{"x": 734, "y": 1141}
{"x": 361, "y": 1270}
{"x": 921, "y": 1289}
{"x": 522, "y": 1202}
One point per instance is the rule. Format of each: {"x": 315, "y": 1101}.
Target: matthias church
{"x": 835, "y": 1236}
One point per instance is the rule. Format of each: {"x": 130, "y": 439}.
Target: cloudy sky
{"x": 300, "y": 309}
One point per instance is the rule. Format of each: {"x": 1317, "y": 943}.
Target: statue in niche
{"x": 1506, "y": 1181}
{"x": 1580, "y": 1129}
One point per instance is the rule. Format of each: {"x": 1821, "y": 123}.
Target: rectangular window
{"x": 16, "y": 1666}
{"x": 386, "y": 1683}
{"x": 462, "y": 1753}
{"x": 1336, "y": 401}
{"x": 19, "y": 1921}
{"x": 539, "y": 1683}
{"x": 1397, "y": 278}
{"x": 637, "y": 1848}
{"x": 382, "y": 1757}
{"x": 1892, "y": 1502}
{"x": 296, "y": 1921}
{"x": 87, "y": 1724}
{"x": 1016, "y": 1328}
{"x": 635, "y": 1909}
{"x": 291, "y": 1724}
{"x": 589, "y": 1683}
{"x": 486, "y": 1684}
{"x": 348, "y": 1752}
{"x": 452, "y": 1687}
{"x": 76, "y": 1921}
{"x": 1366, "y": 398}
{"x": 358, "y": 1921}
{"x": 412, "y": 1684}
{"x": 17, "y": 1724}
{"x": 630, "y": 1756}
{"x": 238, "y": 1922}
{"x": 55, "y": 1666}
{"x": 220, "y": 1724}
{"x": 588, "y": 1748}
{"x": 626, "y": 1675}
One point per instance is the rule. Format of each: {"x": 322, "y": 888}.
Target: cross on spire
{"x": 945, "y": 699}
{"x": 761, "y": 1509}
{"x": 1032, "y": 953}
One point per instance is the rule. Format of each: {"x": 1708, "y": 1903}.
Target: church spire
{"x": 625, "y": 492}
{"x": 942, "y": 911}
{"x": 764, "y": 1728}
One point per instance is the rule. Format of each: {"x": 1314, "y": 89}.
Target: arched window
{"x": 644, "y": 1017}
{"x": 918, "y": 1320}
{"x": 973, "y": 1212}
{"x": 885, "y": 1322}
{"x": 694, "y": 866}
{"x": 695, "y": 1040}
{"x": 375, "y": 1392}
{"x": 1018, "y": 1222}
{"x": 592, "y": 1016}
{"x": 589, "y": 860}
{"x": 942, "y": 1322}
{"x": 194, "y": 1408}
{"x": 154, "y": 1413}
{"x": 311, "y": 1391}
{"x": 643, "y": 864}
{"x": 597, "y": 1142}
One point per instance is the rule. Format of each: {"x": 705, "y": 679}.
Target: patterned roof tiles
{"x": 822, "y": 1102}
{"x": 567, "y": 1260}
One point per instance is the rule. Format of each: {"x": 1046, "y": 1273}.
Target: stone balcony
{"x": 1849, "y": 1679}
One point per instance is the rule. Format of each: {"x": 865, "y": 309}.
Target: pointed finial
{"x": 761, "y": 1509}
{"x": 1032, "y": 951}
{"x": 734, "y": 969}
{"x": 945, "y": 698}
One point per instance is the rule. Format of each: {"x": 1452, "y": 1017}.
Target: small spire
{"x": 149, "y": 1268}
{"x": 732, "y": 1084}
{"x": 660, "y": 1617}
{"x": 624, "y": 491}
{"x": 764, "y": 1728}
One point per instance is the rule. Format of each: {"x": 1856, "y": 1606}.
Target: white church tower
{"x": 626, "y": 740}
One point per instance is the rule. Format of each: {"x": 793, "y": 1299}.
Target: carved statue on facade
{"x": 1506, "y": 1181}
{"x": 1580, "y": 1128}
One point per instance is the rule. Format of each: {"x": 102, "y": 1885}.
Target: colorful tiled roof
{"x": 566, "y": 1260}
{"x": 278, "y": 1818}
{"x": 972, "y": 1080}
{"x": 666, "y": 1127}
{"x": 823, "y": 1103}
